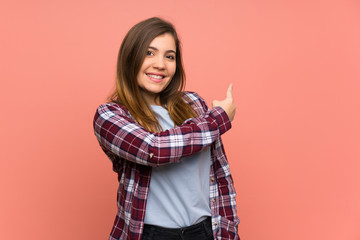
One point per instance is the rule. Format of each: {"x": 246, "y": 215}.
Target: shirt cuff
{"x": 222, "y": 119}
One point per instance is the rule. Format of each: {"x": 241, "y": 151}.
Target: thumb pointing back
{"x": 229, "y": 91}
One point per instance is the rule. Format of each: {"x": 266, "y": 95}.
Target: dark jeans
{"x": 199, "y": 231}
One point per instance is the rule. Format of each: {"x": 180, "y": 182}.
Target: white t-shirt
{"x": 179, "y": 193}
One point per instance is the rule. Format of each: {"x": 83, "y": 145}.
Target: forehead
{"x": 165, "y": 41}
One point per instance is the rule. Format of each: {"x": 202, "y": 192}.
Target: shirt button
{"x": 215, "y": 223}
{"x": 213, "y": 200}
{"x": 151, "y": 155}
{"x": 212, "y": 179}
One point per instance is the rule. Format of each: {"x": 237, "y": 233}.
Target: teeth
{"x": 155, "y": 76}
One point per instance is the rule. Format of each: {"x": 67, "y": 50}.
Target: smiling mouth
{"x": 155, "y": 76}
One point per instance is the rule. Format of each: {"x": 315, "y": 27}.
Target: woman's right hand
{"x": 227, "y": 104}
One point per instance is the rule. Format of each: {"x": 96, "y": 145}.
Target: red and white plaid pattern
{"x": 134, "y": 151}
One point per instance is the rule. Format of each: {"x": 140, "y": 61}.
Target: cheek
{"x": 146, "y": 64}
{"x": 173, "y": 69}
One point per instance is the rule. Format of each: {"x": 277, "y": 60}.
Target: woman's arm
{"x": 120, "y": 135}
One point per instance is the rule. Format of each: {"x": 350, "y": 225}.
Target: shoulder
{"x": 110, "y": 109}
{"x": 194, "y": 100}
{"x": 190, "y": 97}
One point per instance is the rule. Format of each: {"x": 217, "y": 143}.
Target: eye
{"x": 150, "y": 53}
{"x": 170, "y": 57}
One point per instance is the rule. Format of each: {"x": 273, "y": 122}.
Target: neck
{"x": 152, "y": 99}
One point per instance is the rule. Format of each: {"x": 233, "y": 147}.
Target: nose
{"x": 159, "y": 63}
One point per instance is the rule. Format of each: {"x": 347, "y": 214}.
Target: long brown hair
{"x": 131, "y": 56}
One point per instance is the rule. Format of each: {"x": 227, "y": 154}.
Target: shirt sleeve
{"x": 121, "y": 136}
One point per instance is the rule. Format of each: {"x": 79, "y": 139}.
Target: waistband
{"x": 207, "y": 221}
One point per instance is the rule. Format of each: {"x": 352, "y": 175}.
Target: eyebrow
{"x": 154, "y": 48}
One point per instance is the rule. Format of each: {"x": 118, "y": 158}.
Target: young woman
{"x": 165, "y": 146}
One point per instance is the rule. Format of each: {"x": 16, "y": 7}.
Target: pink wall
{"x": 294, "y": 147}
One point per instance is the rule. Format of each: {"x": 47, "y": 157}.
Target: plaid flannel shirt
{"x": 134, "y": 151}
